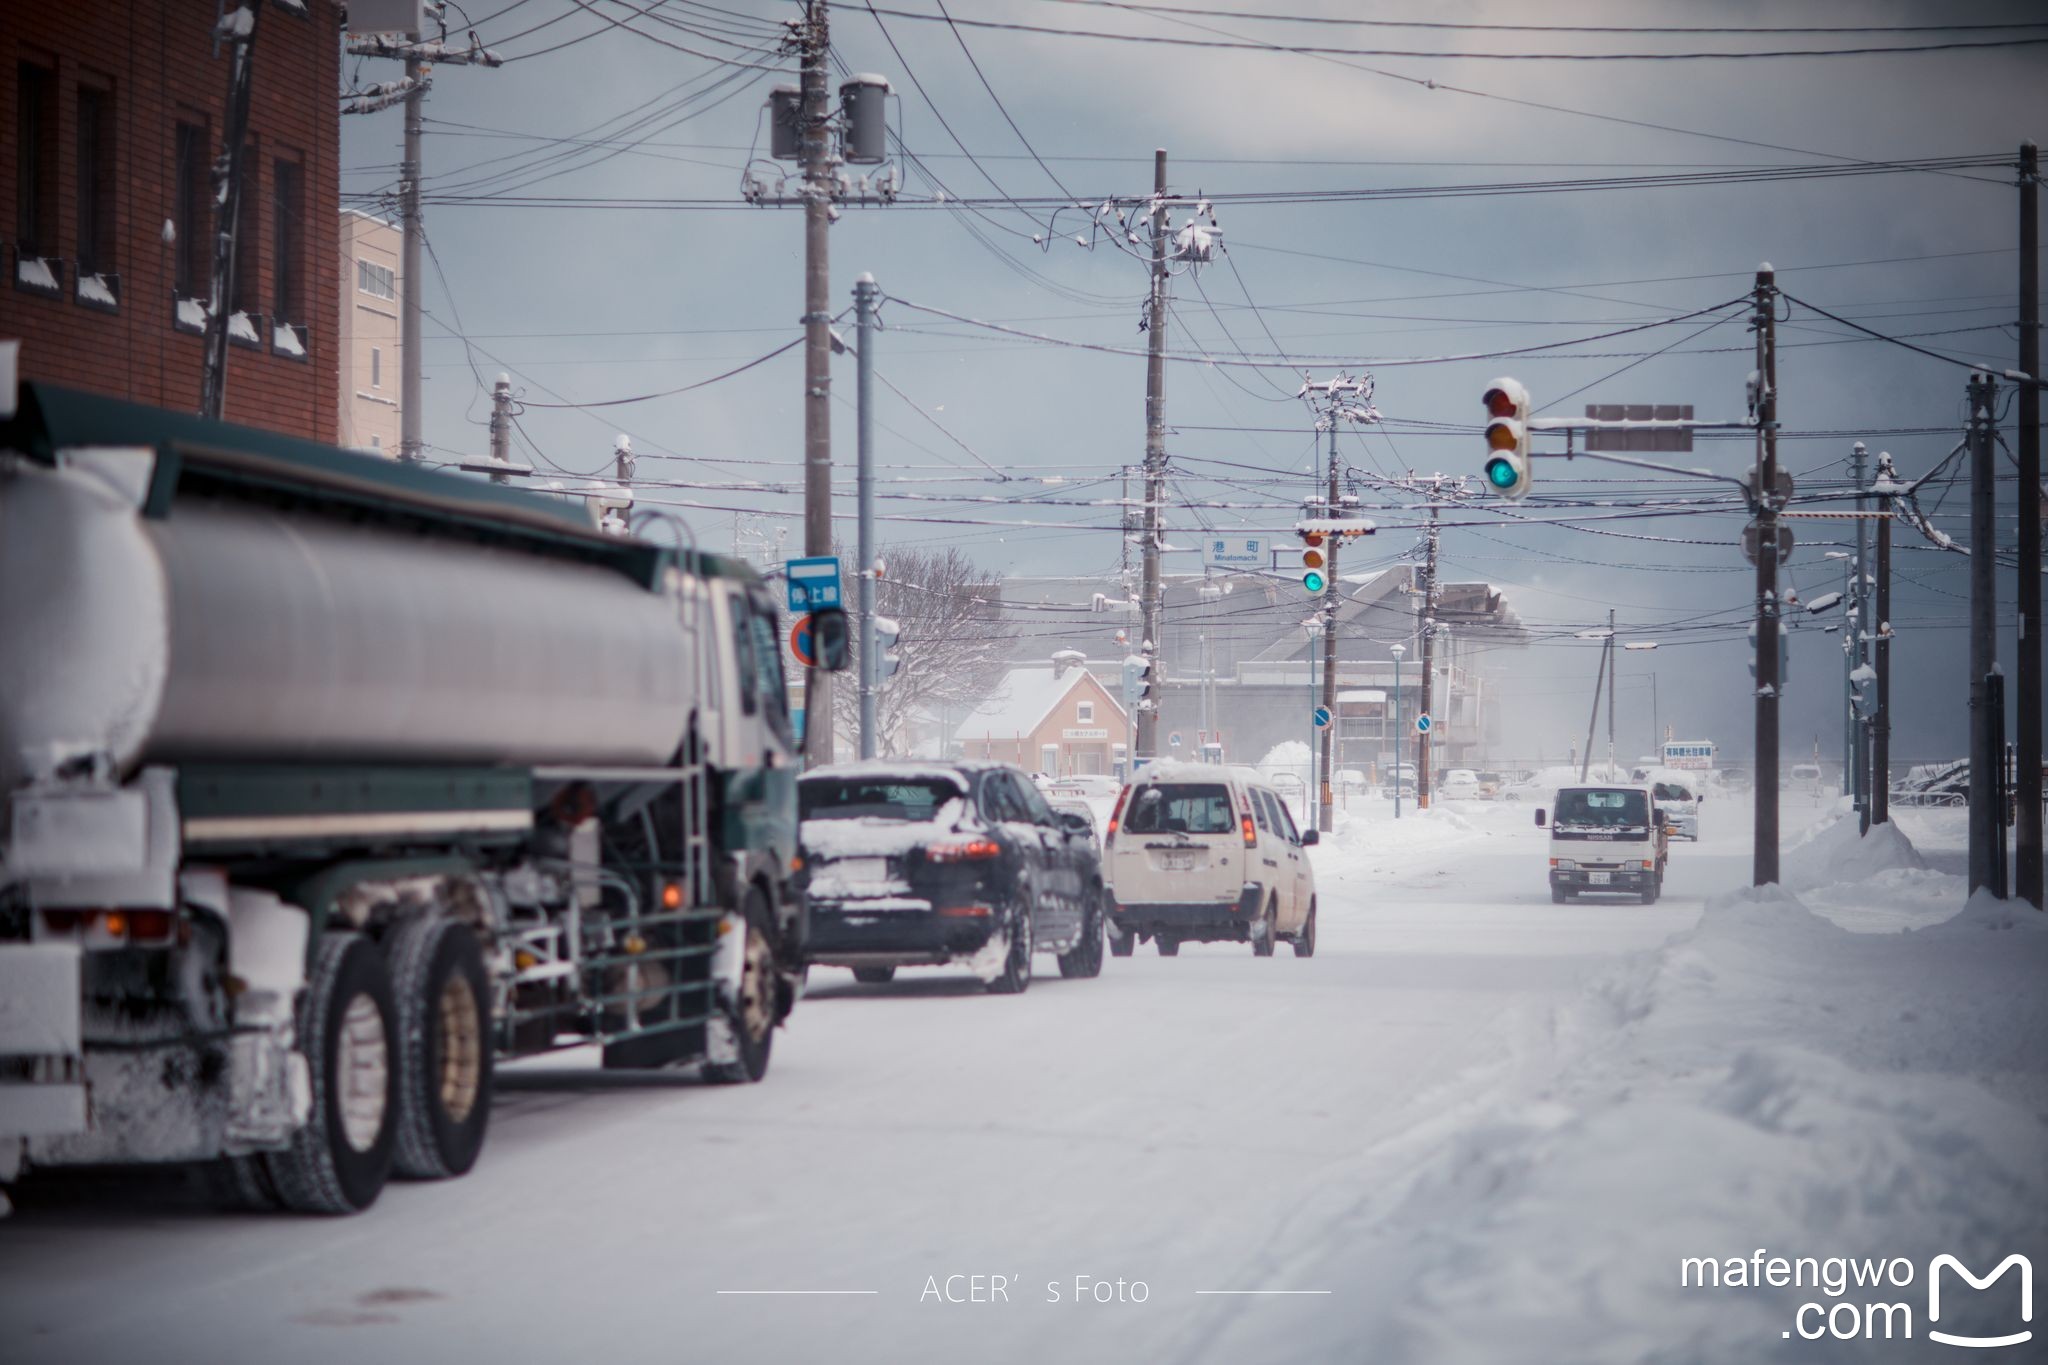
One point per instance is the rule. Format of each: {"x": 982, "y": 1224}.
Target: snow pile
{"x": 1767, "y": 1080}
{"x": 1834, "y": 851}
{"x": 1289, "y": 756}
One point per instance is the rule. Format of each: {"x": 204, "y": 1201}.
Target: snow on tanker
{"x": 326, "y": 782}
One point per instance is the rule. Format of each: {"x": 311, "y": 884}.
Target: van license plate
{"x": 1599, "y": 878}
{"x": 1177, "y": 862}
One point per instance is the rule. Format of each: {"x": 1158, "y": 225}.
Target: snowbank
{"x": 1767, "y": 1080}
{"x": 1834, "y": 850}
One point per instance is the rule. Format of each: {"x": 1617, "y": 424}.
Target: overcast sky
{"x": 586, "y": 303}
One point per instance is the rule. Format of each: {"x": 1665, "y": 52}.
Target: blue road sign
{"x": 1423, "y": 723}
{"x": 1322, "y": 716}
{"x": 813, "y": 583}
{"x": 1174, "y": 739}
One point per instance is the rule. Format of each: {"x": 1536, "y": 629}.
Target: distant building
{"x": 1058, "y": 720}
{"x": 372, "y": 285}
{"x": 110, "y": 119}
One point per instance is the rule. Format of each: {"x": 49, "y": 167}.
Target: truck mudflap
{"x": 42, "y": 1063}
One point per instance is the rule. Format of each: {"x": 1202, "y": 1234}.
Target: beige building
{"x": 1057, "y": 721}
{"x": 371, "y": 287}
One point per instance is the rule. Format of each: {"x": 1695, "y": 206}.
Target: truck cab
{"x": 1605, "y": 840}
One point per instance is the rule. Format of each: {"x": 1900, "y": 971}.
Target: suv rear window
{"x": 881, "y": 798}
{"x": 1181, "y": 808}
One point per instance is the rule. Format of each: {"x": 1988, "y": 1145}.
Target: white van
{"x": 1606, "y": 839}
{"x": 1201, "y": 853}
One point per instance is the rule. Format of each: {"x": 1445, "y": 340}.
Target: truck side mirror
{"x": 1539, "y": 817}
{"x": 829, "y": 641}
{"x": 1309, "y": 838}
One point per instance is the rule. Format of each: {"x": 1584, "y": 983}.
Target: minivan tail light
{"x": 1251, "y": 835}
{"x": 1116, "y": 814}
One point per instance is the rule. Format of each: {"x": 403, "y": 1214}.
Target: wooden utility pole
{"x": 819, "y": 165}
{"x": 1881, "y": 650}
{"x": 1425, "y": 612}
{"x": 1764, "y": 870}
{"x": 2027, "y": 867}
{"x": 1332, "y": 600}
{"x": 237, "y": 28}
{"x": 1155, "y": 462}
{"x": 1987, "y": 757}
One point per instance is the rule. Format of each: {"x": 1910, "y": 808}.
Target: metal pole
{"x": 1155, "y": 457}
{"x": 1427, "y": 612}
{"x": 817, "y": 192}
{"x": 1309, "y": 783}
{"x": 1398, "y": 651}
{"x": 501, "y": 426}
{"x": 1849, "y": 678}
{"x": 864, "y": 293}
{"x": 1765, "y": 863}
{"x": 1593, "y": 718}
{"x": 1613, "y": 670}
{"x": 213, "y": 379}
{"x": 1860, "y": 600}
{"x": 1325, "y": 818}
{"x": 410, "y": 446}
{"x": 1881, "y": 650}
{"x": 2028, "y": 872}
{"x": 1985, "y": 815}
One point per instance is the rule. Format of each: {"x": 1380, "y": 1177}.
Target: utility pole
{"x": 1764, "y": 495}
{"x": 501, "y": 426}
{"x": 1155, "y": 456}
{"x": 1881, "y": 625}
{"x": 1332, "y": 600}
{"x": 1426, "y": 612}
{"x": 1593, "y": 718}
{"x": 864, "y": 298}
{"x": 818, "y": 166}
{"x": 1613, "y": 667}
{"x": 2028, "y": 870}
{"x": 1987, "y": 812}
{"x": 1859, "y": 643}
{"x": 238, "y": 29}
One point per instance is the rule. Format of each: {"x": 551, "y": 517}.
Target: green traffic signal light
{"x": 1313, "y": 581}
{"x": 1501, "y": 472}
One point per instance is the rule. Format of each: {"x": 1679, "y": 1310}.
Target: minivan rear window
{"x": 1180, "y": 808}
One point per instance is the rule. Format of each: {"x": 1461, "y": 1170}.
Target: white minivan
{"x": 1202, "y": 853}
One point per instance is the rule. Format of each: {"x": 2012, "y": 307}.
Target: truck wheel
{"x": 1084, "y": 959}
{"x": 444, "y": 1047}
{"x": 1305, "y": 941}
{"x": 1168, "y": 945}
{"x": 1016, "y": 977}
{"x": 754, "y": 1026}
{"x": 240, "y": 1184}
{"x": 1650, "y": 894}
{"x": 339, "y": 1161}
{"x": 874, "y": 976}
{"x": 1558, "y": 895}
{"x": 1124, "y": 944}
{"x": 1266, "y": 930}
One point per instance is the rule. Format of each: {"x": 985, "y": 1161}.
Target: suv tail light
{"x": 1116, "y": 815}
{"x": 973, "y": 849}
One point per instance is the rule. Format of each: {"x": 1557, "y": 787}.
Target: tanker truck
{"x": 326, "y": 783}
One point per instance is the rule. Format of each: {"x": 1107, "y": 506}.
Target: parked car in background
{"x": 1459, "y": 784}
{"x": 926, "y": 864}
{"x": 1805, "y": 778}
{"x": 1200, "y": 853}
{"x": 1490, "y": 785}
{"x": 1680, "y": 802}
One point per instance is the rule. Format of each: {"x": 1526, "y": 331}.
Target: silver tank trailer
{"x": 233, "y": 631}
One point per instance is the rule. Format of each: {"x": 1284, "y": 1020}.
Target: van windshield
{"x": 1602, "y": 809}
{"x": 1180, "y": 808}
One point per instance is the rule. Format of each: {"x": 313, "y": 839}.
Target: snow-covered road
{"x": 1182, "y": 1124}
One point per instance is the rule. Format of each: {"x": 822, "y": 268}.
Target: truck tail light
{"x": 1251, "y": 835}
{"x": 971, "y": 851}
{"x": 117, "y": 925}
{"x": 965, "y": 911}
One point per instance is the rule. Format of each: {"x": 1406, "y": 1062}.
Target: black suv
{"x": 924, "y": 864}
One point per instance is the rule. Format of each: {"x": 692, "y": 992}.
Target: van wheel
{"x": 1650, "y": 893}
{"x": 339, "y": 1161}
{"x": 1169, "y": 946}
{"x": 1084, "y": 959}
{"x": 444, "y": 1047}
{"x": 1016, "y": 977}
{"x": 1305, "y": 941}
{"x": 1558, "y": 895}
{"x": 874, "y": 976}
{"x": 1265, "y": 930}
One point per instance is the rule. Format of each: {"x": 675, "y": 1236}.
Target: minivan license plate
{"x": 1177, "y": 862}
{"x": 1599, "y": 878}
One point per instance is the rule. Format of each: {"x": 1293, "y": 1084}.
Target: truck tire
{"x": 1123, "y": 945}
{"x": 1266, "y": 929}
{"x": 1084, "y": 959}
{"x": 1558, "y": 895}
{"x": 874, "y": 976}
{"x": 1168, "y": 945}
{"x": 339, "y": 1161}
{"x": 1305, "y": 941}
{"x": 1016, "y": 975}
{"x": 1650, "y": 893}
{"x": 754, "y": 1026}
{"x": 444, "y": 1049}
{"x": 240, "y": 1185}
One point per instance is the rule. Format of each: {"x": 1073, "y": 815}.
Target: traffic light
{"x": 887, "y": 660}
{"x": 1312, "y": 562}
{"x": 1137, "y": 681}
{"x": 1784, "y": 652}
{"x": 1507, "y": 438}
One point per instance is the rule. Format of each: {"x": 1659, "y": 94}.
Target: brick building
{"x": 110, "y": 117}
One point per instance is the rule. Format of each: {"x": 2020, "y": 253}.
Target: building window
{"x": 35, "y": 183}
{"x": 246, "y": 296}
{"x": 376, "y": 368}
{"x": 98, "y": 284}
{"x": 376, "y": 280}
{"x": 190, "y": 224}
{"x": 1084, "y": 714}
{"x": 287, "y": 257}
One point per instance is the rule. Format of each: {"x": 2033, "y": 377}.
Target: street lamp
{"x": 1397, "y": 650}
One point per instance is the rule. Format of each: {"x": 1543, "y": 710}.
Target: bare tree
{"x": 952, "y": 646}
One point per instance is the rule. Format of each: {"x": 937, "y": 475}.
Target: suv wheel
{"x": 874, "y": 976}
{"x": 1084, "y": 959}
{"x": 1016, "y": 975}
{"x": 1265, "y": 929}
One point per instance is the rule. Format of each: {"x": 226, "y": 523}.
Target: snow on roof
{"x": 1023, "y": 701}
